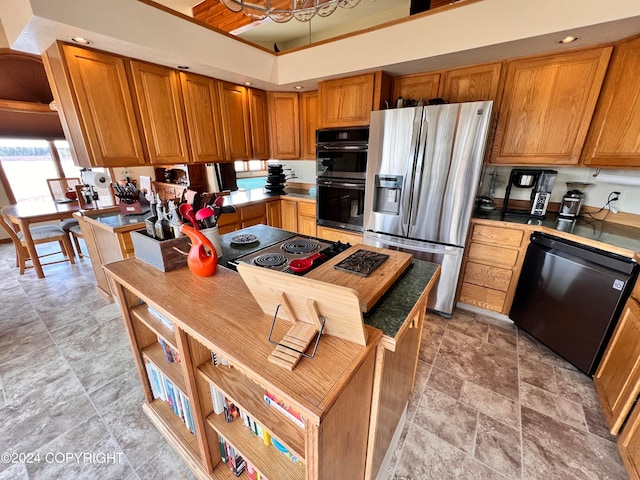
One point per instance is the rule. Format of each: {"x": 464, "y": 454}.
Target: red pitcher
{"x": 203, "y": 258}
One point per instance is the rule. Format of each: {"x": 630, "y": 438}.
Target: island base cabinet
{"x": 396, "y": 365}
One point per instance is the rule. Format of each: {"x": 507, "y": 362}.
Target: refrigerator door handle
{"x": 416, "y": 137}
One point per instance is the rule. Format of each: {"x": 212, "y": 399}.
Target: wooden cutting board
{"x": 372, "y": 287}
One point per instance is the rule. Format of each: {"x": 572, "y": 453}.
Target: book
{"x": 223, "y": 449}
{"x": 152, "y": 375}
{"x": 218, "y": 400}
{"x": 171, "y": 399}
{"x": 230, "y": 411}
{"x": 287, "y": 411}
{"x": 166, "y": 350}
{"x": 165, "y": 321}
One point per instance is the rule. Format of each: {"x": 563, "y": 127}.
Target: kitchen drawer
{"x": 497, "y": 235}
{"x": 492, "y": 255}
{"x": 487, "y": 276}
{"x": 306, "y": 209}
{"x": 228, "y": 219}
{"x": 252, "y": 211}
{"x": 482, "y": 297}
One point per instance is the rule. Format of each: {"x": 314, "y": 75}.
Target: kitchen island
{"x": 352, "y": 396}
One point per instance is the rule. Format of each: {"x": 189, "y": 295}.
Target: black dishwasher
{"x": 570, "y": 296}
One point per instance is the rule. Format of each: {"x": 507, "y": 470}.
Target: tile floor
{"x": 490, "y": 402}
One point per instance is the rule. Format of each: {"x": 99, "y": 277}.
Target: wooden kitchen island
{"x": 352, "y": 397}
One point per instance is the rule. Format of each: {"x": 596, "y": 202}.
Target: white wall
{"x": 595, "y": 195}
{"x": 305, "y": 170}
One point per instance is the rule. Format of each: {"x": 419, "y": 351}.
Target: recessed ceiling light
{"x": 248, "y": 84}
{"x": 183, "y": 67}
{"x": 568, "y": 39}
{"x": 82, "y": 41}
{"x": 298, "y": 87}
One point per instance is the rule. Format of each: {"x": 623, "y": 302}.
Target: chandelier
{"x": 282, "y": 11}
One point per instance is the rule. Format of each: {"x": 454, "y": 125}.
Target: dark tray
{"x": 362, "y": 262}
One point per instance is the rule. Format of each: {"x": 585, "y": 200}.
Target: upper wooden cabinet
{"x": 547, "y": 106}
{"x": 615, "y": 129}
{"x": 258, "y": 118}
{"x": 471, "y": 84}
{"x": 159, "y": 99}
{"x": 284, "y": 122}
{"x": 204, "y": 124}
{"x": 309, "y": 123}
{"x": 235, "y": 121}
{"x": 415, "y": 87}
{"x": 95, "y": 106}
{"x": 349, "y": 101}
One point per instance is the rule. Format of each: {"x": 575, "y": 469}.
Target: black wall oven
{"x": 341, "y": 155}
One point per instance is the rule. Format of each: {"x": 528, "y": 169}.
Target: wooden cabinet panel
{"x": 259, "y": 119}
{"x": 483, "y": 297}
{"x": 629, "y": 444}
{"x": 273, "y": 214}
{"x": 346, "y": 101}
{"x": 284, "y": 123}
{"x": 309, "y": 123}
{"x": 614, "y": 137}
{"x": 307, "y": 209}
{"x": 547, "y": 107}
{"x": 338, "y": 235}
{"x": 471, "y": 84}
{"x": 307, "y": 225}
{"x": 159, "y": 99}
{"x": 103, "y": 129}
{"x": 252, "y": 211}
{"x": 229, "y": 222}
{"x": 497, "y": 236}
{"x": 415, "y": 87}
{"x": 289, "y": 210}
{"x": 493, "y": 254}
{"x": 235, "y": 121}
{"x": 202, "y": 109}
{"x": 617, "y": 379}
{"x": 487, "y": 276}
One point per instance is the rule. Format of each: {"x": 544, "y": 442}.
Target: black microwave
{"x": 342, "y": 152}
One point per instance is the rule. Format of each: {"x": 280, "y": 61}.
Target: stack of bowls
{"x": 275, "y": 178}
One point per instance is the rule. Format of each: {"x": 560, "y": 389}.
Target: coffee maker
{"x": 540, "y": 182}
{"x": 571, "y": 204}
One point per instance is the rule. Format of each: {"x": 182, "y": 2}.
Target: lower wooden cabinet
{"x": 273, "y": 214}
{"x": 289, "y": 211}
{"x": 307, "y": 218}
{"x": 491, "y": 266}
{"x": 617, "y": 379}
{"x": 338, "y": 235}
{"x": 629, "y": 444}
{"x": 252, "y": 215}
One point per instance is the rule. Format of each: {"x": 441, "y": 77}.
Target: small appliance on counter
{"x": 540, "y": 182}
{"x": 572, "y": 201}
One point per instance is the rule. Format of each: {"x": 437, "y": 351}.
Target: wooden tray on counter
{"x": 371, "y": 288}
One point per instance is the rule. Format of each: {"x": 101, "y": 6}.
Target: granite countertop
{"x": 115, "y": 220}
{"x": 622, "y": 236}
{"x": 243, "y": 197}
{"x": 394, "y": 307}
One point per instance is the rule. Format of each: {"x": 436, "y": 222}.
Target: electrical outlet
{"x": 615, "y": 197}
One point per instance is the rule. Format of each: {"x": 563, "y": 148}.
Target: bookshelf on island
{"x": 201, "y": 348}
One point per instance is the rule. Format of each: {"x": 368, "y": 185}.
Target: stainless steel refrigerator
{"x": 423, "y": 170}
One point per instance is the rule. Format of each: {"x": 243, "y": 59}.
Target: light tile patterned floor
{"x": 490, "y": 401}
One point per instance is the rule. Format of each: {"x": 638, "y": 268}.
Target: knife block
{"x": 141, "y": 205}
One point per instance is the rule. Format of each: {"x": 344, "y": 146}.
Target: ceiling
{"x": 465, "y": 33}
{"x": 294, "y": 33}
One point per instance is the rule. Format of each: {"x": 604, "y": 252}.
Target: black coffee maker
{"x": 540, "y": 182}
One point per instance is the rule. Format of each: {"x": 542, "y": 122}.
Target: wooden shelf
{"x": 176, "y": 433}
{"x": 142, "y": 313}
{"x": 172, "y": 370}
{"x": 267, "y": 459}
{"x": 249, "y": 397}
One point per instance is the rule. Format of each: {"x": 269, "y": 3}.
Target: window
{"x": 27, "y": 164}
